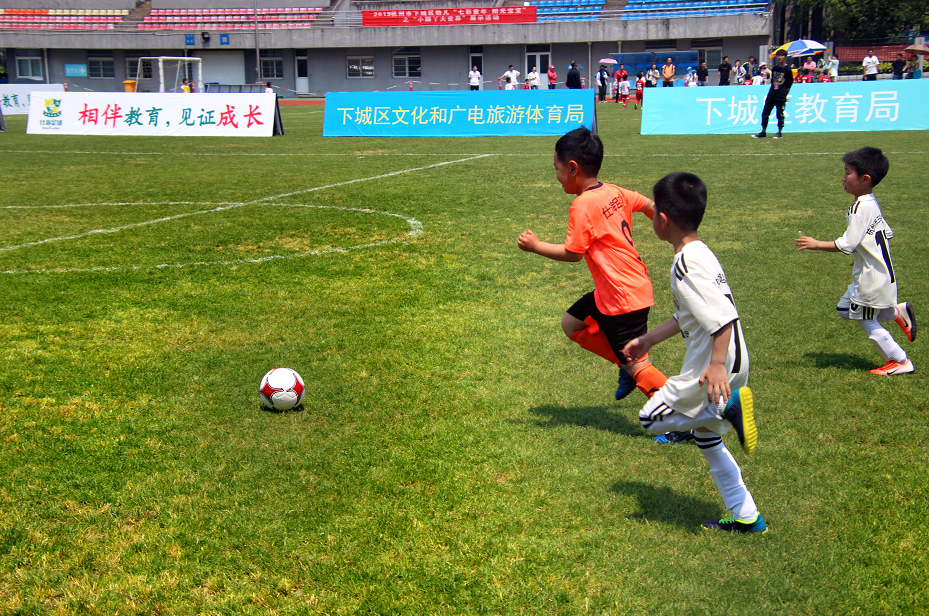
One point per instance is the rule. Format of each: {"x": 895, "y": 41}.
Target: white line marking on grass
{"x": 440, "y": 154}
{"x": 416, "y": 228}
{"x": 40, "y": 207}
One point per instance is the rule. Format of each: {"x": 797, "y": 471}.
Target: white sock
{"x": 883, "y": 341}
{"x": 727, "y": 476}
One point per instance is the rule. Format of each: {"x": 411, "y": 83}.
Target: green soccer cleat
{"x": 739, "y": 412}
{"x": 733, "y": 525}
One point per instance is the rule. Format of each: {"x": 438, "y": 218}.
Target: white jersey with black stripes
{"x": 703, "y": 304}
{"x": 867, "y": 238}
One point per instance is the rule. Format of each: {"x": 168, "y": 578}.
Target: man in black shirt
{"x": 573, "y": 80}
{"x": 725, "y": 72}
{"x": 782, "y": 77}
{"x": 702, "y": 74}
{"x": 898, "y": 65}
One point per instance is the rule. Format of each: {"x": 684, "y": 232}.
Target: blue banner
{"x": 459, "y": 113}
{"x": 811, "y": 108}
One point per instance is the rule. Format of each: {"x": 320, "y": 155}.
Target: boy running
{"x": 639, "y": 90}
{"x": 871, "y": 298}
{"x": 716, "y": 356}
{"x": 600, "y": 232}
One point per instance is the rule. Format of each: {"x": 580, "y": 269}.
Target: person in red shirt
{"x": 620, "y": 77}
{"x": 639, "y": 90}
{"x": 600, "y": 232}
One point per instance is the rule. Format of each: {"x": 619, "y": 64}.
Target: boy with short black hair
{"x": 600, "y": 232}
{"x": 871, "y": 298}
{"x": 706, "y": 318}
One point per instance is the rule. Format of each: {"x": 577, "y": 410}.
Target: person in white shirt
{"x": 508, "y": 84}
{"x": 870, "y": 66}
{"x": 474, "y": 78}
{"x": 871, "y": 298}
{"x": 711, "y": 393}
{"x": 513, "y": 74}
{"x": 833, "y": 67}
{"x": 758, "y": 79}
{"x": 532, "y": 79}
{"x": 269, "y": 89}
{"x": 624, "y": 88}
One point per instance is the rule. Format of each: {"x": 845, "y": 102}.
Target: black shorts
{"x": 619, "y": 329}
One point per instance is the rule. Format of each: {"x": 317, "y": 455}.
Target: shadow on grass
{"x": 662, "y": 504}
{"x": 599, "y": 417}
{"x": 297, "y": 409}
{"x": 843, "y": 361}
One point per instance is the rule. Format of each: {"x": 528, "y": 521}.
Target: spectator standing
{"x": 185, "y": 86}
{"x": 782, "y": 79}
{"x": 667, "y": 74}
{"x": 765, "y": 72}
{"x": 552, "y": 77}
{"x": 725, "y": 72}
{"x": 703, "y": 74}
{"x": 899, "y": 66}
{"x": 268, "y": 88}
{"x": 871, "y": 66}
{"x": 751, "y": 67}
{"x": 619, "y": 77}
{"x": 810, "y": 65}
{"x": 603, "y": 78}
{"x": 833, "y": 68}
{"x": 573, "y": 81}
{"x": 513, "y": 74}
{"x": 532, "y": 79}
{"x": 474, "y": 78}
{"x": 912, "y": 68}
{"x": 739, "y": 71}
{"x": 652, "y": 76}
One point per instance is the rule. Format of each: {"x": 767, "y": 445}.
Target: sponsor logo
{"x": 52, "y": 108}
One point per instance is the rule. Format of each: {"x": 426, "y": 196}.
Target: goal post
{"x": 167, "y": 74}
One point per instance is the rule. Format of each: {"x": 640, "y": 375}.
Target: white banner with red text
{"x": 152, "y": 114}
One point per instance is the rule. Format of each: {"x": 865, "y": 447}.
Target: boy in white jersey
{"x": 871, "y": 298}
{"x": 710, "y": 395}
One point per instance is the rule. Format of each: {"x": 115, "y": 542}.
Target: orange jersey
{"x": 599, "y": 227}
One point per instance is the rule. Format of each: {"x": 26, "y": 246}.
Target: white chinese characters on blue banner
{"x": 811, "y": 108}
{"x": 457, "y": 113}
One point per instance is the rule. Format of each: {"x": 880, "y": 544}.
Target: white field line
{"x": 443, "y": 155}
{"x": 416, "y": 228}
{"x": 415, "y": 225}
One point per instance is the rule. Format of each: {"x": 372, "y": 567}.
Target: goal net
{"x": 167, "y": 74}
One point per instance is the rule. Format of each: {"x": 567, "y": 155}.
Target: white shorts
{"x": 680, "y": 397}
{"x": 860, "y": 312}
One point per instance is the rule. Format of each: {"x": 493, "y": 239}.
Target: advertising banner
{"x": 15, "y": 98}
{"x": 450, "y": 17}
{"x": 152, "y": 113}
{"x": 459, "y": 113}
{"x": 811, "y": 108}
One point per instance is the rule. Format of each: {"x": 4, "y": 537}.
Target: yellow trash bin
{"x": 129, "y": 85}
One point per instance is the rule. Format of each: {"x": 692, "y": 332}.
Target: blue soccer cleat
{"x": 733, "y": 525}
{"x": 739, "y": 412}
{"x": 674, "y": 437}
{"x": 626, "y": 384}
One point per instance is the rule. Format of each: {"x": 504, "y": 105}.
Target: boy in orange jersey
{"x": 599, "y": 231}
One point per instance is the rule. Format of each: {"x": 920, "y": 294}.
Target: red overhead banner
{"x": 450, "y": 17}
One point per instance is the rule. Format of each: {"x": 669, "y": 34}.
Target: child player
{"x": 871, "y": 298}
{"x": 599, "y": 231}
{"x": 639, "y": 90}
{"x": 624, "y": 91}
{"x": 711, "y": 394}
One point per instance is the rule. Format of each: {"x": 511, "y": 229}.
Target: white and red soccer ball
{"x": 281, "y": 389}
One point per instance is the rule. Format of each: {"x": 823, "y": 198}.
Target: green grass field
{"x": 457, "y": 454}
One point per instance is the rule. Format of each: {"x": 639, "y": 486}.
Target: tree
{"x": 861, "y": 19}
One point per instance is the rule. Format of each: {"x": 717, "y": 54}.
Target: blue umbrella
{"x": 803, "y": 47}
{"x": 579, "y": 67}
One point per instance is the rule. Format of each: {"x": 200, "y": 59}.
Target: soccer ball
{"x": 281, "y": 389}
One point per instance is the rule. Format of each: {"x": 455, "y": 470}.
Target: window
{"x": 670, "y": 45}
{"x": 272, "y": 64}
{"x": 100, "y": 65}
{"x": 28, "y": 64}
{"x": 703, "y": 43}
{"x": 359, "y": 66}
{"x": 407, "y": 62}
{"x": 132, "y": 66}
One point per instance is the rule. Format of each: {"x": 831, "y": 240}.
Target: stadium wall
{"x": 444, "y": 49}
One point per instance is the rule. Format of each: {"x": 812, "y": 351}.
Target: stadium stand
{"x": 61, "y": 19}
